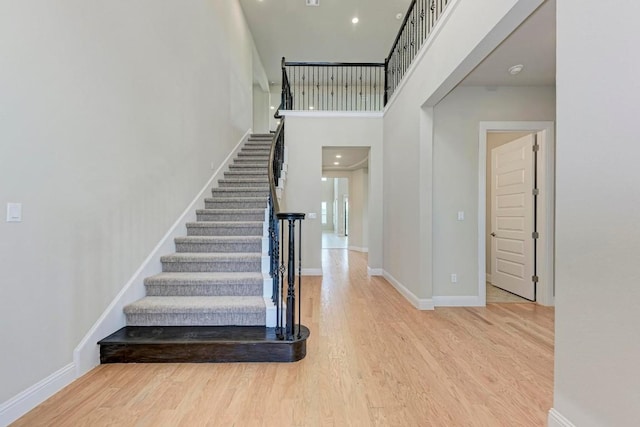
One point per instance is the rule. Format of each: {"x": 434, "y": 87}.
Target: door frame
{"x": 545, "y": 206}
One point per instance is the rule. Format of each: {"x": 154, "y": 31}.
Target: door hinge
{"x": 536, "y": 147}
{"x": 534, "y": 279}
{"x": 535, "y": 235}
{"x": 535, "y": 191}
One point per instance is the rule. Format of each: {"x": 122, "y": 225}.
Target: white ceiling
{"x": 533, "y": 45}
{"x": 324, "y": 33}
{"x": 352, "y": 158}
{"x": 298, "y": 32}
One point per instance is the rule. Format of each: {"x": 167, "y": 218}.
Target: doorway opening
{"x": 335, "y": 193}
{"x": 516, "y": 195}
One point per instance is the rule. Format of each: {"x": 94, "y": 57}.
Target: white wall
{"x": 306, "y": 134}
{"x": 597, "y": 375}
{"x": 408, "y": 134}
{"x": 455, "y": 173}
{"x": 358, "y": 212}
{"x": 261, "y": 110}
{"x": 111, "y": 116}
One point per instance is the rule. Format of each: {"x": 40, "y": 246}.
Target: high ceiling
{"x": 298, "y": 32}
{"x": 322, "y": 33}
{"x": 325, "y": 33}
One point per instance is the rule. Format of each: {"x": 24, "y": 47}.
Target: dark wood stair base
{"x": 200, "y": 344}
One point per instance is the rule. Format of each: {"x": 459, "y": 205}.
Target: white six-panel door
{"x": 512, "y": 217}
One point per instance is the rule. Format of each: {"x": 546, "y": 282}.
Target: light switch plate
{"x": 14, "y": 212}
{"x": 460, "y": 215}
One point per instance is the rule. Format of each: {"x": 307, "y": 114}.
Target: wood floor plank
{"x": 372, "y": 360}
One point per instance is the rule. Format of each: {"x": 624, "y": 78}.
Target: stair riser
{"x": 230, "y": 216}
{"x": 239, "y": 193}
{"x": 262, "y": 170}
{"x": 204, "y": 290}
{"x": 254, "y": 153}
{"x": 240, "y": 174}
{"x": 203, "y": 353}
{"x": 253, "y": 160}
{"x": 246, "y": 183}
{"x": 212, "y": 267}
{"x": 218, "y": 247}
{"x": 196, "y": 319}
{"x": 221, "y": 230}
{"x": 232, "y": 204}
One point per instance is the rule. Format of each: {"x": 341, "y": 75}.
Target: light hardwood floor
{"x": 372, "y": 360}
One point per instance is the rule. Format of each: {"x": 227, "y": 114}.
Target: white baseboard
{"x": 28, "y": 399}
{"x": 458, "y": 301}
{"x": 419, "y": 303}
{"x": 375, "y": 271}
{"x": 556, "y": 419}
{"x": 311, "y": 272}
{"x": 86, "y": 355}
{"x": 358, "y": 249}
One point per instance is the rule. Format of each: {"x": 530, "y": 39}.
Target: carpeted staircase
{"x": 212, "y": 292}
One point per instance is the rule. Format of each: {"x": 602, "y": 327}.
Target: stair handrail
{"x": 285, "y": 328}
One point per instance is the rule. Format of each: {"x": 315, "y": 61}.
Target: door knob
{"x": 493, "y": 234}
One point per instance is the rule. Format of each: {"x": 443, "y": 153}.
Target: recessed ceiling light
{"x": 355, "y": 20}
{"x": 516, "y": 69}
{"x": 324, "y": 178}
{"x": 399, "y": 16}
{"x": 336, "y": 163}
{"x": 310, "y": 107}
{"x": 338, "y": 156}
{"x": 272, "y": 107}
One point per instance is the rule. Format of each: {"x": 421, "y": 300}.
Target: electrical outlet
{"x": 454, "y": 278}
{"x": 312, "y": 215}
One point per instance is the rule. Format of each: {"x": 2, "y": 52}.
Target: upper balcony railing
{"x": 336, "y": 86}
{"x": 352, "y": 86}
{"x": 418, "y": 23}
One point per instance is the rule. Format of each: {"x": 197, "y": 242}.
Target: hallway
{"x": 372, "y": 359}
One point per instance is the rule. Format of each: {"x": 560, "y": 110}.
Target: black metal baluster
{"x": 299, "y": 279}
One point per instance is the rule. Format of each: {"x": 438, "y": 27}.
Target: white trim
{"x": 311, "y": 272}
{"x": 546, "y": 184}
{"x": 325, "y": 114}
{"x": 458, "y": 301}
{"x": 28, "y": 399}
{"x": 86, "y": 355}
{"x": 358, "y": 249}
{"x": 419, "y": 303}
{"x": 375, "y": 271}
{"x": 428, "y": 42}
{"x": 556, "y": 419}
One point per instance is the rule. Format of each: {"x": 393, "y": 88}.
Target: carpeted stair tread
{"x": 239, "y": 214}
{"x": 195, "y": 304}
{"x": 196, "y": 310}
{"x": 236, "y": 202}
{"x": 205, "y": 284}
{"x": 228, "y": 239}
{"x": 216, "y": 243}
{"x": 225, "y": 228}
{"x": 206, "y": 278}
{"x": 186, "y": 257}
